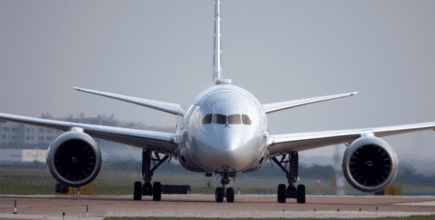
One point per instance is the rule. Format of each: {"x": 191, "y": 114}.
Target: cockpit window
{"x": 207, "y": 119}
{"x": 219, "y": 119}
{"x": 222, "y": 119}
{"x": 246, "y": 120}
{"x": 234, "y": 119}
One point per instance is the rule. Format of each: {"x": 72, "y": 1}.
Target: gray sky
{"x": 279, "y": 50}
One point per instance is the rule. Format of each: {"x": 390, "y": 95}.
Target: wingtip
{"x": 354, "y": 93}
{"x": 77, "y": 88}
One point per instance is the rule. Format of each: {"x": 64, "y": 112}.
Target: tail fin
{"x": 217, "y": 56}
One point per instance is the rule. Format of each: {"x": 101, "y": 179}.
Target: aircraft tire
{"x": 157, "y": 192}
{"x": 282, "y": 193}
{"x": 147, "y": 189}
{"x": 230, "y": 195}
{"x": 57, "y": 188}
{"x": 300, "y": 194}
{"x": 380, "y": 193}
{"x": 291, "y": 191}
{"x": 219, "y": 194}
{"x": 63, "y": 189}
{"x": 137, "y": 194}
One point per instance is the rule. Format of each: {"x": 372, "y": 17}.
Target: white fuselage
{"x": 225, "y": 129}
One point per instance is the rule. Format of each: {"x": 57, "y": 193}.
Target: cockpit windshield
{"x": 219, "y": 119}
{"x": 207, "y": 119}
{"x": 222, "y": 119}
{"x": 234, "y": 119}
{"x": 246, "y": 120}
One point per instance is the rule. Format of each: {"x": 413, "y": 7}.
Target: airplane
{"x": 223, "y": 131}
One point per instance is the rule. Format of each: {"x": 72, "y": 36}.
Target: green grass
{"x": 416, "y": 217}
{"x": 40, "y": 182}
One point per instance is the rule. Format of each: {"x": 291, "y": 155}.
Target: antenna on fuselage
{"x": 217, "y": 53}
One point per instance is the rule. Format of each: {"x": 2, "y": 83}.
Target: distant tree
{"x": 46, "y": 116}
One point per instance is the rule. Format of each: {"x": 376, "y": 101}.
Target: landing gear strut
{"x": 220, "y": 192}
{"x": 147, "y": 173}
{"x": 292, "y": 175}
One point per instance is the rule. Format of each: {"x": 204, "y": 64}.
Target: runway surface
{"x": 262, "y": 206}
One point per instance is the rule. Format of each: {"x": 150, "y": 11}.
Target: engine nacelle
{"x": 369, "y": 164}
{"x": 74, "y": 159}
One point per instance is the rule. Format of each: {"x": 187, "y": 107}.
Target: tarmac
{"x": 204, "y": 206}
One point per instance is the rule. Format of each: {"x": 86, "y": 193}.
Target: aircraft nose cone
{"x": 227, "y": 148}
{"x": 225, "y": 151}
{"x": 229, "y": 141}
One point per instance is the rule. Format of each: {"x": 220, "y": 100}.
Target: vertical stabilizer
{"x": 217, "y": 68}
{"x": 217, "y": 57}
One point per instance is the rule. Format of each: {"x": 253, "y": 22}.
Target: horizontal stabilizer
{"x": 278, "y": 106}
{"x": 162, "y": 106}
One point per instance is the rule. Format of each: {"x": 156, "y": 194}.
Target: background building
{"x": 19, "y": 142}
{"x": 14, "y": 135}
{"x": 35, "y": 135}
{"x": 11, "y": 133}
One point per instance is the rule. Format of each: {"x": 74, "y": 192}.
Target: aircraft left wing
{"x": 158, "y": 141}
{"x": 285, "y": 143}
{"x": 278, "y": 106}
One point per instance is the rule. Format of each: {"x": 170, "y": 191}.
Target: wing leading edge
{"x": 159, "y": 141}
{"x": 162, "y": 106}
{"x": 278, "y": 106}
{"x": 285, "y": 143}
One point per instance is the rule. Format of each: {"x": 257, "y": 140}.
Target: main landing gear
{"x": 292, "y": 175}
{"x": 147, "y": 189}
{"x": 220, "y": 192}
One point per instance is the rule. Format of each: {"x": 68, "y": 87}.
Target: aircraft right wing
{"x": 162, "y": 106}
{"x": 161, "y": 142}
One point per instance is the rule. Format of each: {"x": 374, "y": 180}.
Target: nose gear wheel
{"x": 221, "y": 192}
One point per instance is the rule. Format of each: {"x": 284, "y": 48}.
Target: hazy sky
{"x": 278, "y": 49}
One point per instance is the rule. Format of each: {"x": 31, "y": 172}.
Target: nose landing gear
{"x": 220, "y": 192}
{"x": 148, "y": 189}
{"x": 292, "y": 175}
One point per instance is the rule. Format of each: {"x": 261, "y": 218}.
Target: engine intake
{"x": 369, "y": 164}
{"x": 74, "y": 159}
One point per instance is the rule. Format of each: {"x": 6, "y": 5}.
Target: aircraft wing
{"x": 158, "y": 141}
{"x": 278, "y": 106}
{"x": 162, "y": 106}
{"x": 285, "y": 143}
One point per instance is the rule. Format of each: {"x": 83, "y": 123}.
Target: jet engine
{"x": 74, "y": 158}
{"x": 369, "y": 164}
